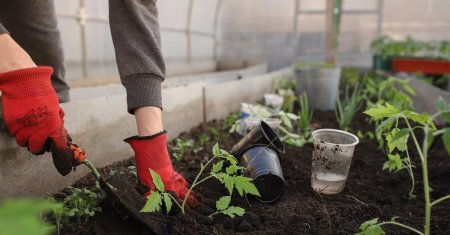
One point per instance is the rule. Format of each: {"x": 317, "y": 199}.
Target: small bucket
{"x": 262, "y": 164}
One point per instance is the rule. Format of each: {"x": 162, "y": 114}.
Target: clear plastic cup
{"x": 331, "y": 159}
{"x": 274, "y": 101}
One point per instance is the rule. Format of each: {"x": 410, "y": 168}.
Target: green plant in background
{"x": 282, "y": 83}
{"x": 305, "y": 117}
{"x": 225, "y": 169}
{"x": 230, "y": 121}
{"x": 397, "y": 140}
{"x": 202, "y": 139}
{"x": 379, "y": 47}
{"x": 23, "y": 217}
{"x": 345, "y": 110}
{"x": 444, "y": 50}
{"x": 181, "y": 147}
{"x": 81, "y": 204}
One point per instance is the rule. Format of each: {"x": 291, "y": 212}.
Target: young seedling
{"x": 202, "y": 139}
{"x": 225, "y": 169}
{"x": 397, "y": 139}
{"x": 229, "y": 121}
{"x": 181, "y": 147}
{"x": 305, "y": 116}
{"x": 345, "y": 110}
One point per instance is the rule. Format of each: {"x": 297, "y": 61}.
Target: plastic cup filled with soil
{"x": 331, "y": 159}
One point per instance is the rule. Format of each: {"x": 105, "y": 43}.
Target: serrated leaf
{"x": 217, "y": 167}
{"x": 386, "y": 125}
{"x": 422, "y": 118}
{"x": 398, "y": 139}
{"x": 231, "y": 169}
{"x": 374, "y": 230}
{"x": 394, "y": 163}
{"x": 167, "y": 202}
{"x": 216, "y": 150}
{"x": 229, "y": 184}
{"x": 446, "y": 139}
{"x": 366, "y": 224}
{"x": 230, "y": 158}
{"x": 223, "y": 203}
{"x": 153, "y": 203}
{"x": 157, "y": 181}
{"x": 244, "y": 185}
{"x": 232, "y": 211}
{"x": 380, "y": 111}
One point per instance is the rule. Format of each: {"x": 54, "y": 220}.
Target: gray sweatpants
{"x": 136, "y": 38}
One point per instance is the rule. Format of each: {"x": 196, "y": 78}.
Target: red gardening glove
{"x": 33, "y": 115}
{"x": 151, "y": 153}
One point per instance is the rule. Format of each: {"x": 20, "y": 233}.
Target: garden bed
{"x": 369, "y": 193}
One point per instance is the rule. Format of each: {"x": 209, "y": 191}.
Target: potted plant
{"x": 381, "y": 59}
{"x": 320, "y": 81}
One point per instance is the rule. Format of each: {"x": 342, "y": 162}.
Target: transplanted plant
{"x": 397, "y": 140}
{"x": 224, "y": 168}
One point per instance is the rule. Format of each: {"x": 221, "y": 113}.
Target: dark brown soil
{"x": 369, "y": 193}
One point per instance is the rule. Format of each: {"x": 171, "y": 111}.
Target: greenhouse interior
{"x": 225, "y": 117}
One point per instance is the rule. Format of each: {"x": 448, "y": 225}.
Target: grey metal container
{"x": 321, "y": 85}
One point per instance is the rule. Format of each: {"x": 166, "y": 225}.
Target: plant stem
{"x": 173, "y": 199}
{"x": 440, "y": 200}
{"x": 195, "y": 182}
{"x": 423, "y": 156}
{"x": 401, "y": 225}
{"x": 92, "y": 168}
{"x": 411, "y": 173}
{"x": 201, "y": 181}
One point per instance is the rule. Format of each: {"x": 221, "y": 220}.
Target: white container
{"x": 331, "y": 159}
{"x": 273, "y": 101}
{"x": 251, "y": 123}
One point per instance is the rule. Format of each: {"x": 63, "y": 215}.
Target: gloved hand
{"x": 33, "y": 115}
{"x": 151, "y": 153}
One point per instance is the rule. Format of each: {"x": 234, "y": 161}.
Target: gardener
{"x": 30, "y": 104}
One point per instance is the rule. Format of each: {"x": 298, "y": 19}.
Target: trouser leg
{"x": 136, "y": 38}
{"x": 32, "y": 24}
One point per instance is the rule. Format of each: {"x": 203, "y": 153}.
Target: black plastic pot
{"x": 264, "y": 135}
{"x": 262, "y": 164}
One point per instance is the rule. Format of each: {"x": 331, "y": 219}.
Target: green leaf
{"x": 380, "y": 111}
{"x": 408, "y": 88}
{"x": 386, "y": 124}
{"x": 368, "y": 223}
{"x": 398, "y": 139}
{"x": 231, "y": 169}
{"x": 394, "y": 163}
{"x": 244, "y": 185}
{"x": 157, "y": 181}
{"x": 153, "y": 203}
{"x": 229, "y": 183}
{"x": 217, "y": 167}
{"x": 446, "y": 139}
{"x": 442, "y": 106}
{"x": 232, "y": 211}
{"x": 374, "y": 230}
{"x": 216, "y": 150}
{"x": 224, "y": 154}
{"x": 223, "y": 203}
{"x": 167, "y": 202}
{"x": 422, "y": 118}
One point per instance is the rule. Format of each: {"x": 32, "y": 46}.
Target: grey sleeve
{"x": 2, "y": 29}
{"x": 136, "y": 38}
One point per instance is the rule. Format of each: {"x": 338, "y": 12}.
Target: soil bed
{"x": 369, "y": 193}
